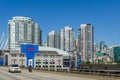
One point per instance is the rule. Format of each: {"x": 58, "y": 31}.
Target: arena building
{"x": 46, "y": 58}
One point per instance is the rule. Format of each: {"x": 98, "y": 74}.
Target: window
{"x": 66, "y": 64}
{"x": 66, "y": 60}
{"x": 45, "y": 62}
{"x": 52, "y": 66}
{"x": 52, "y": 56}
{"x": 14, "y": 55}
{"x": 58, "y": 56}
{"x": 39, "y": 55}
{"x": 52, "y": 62}
{"x": 13, "y": 59}
{"x": 58, "y": 66}
{"x": 45, "y": 56}
{"x": 38, "y": 66}
{"x": 38, "y": 62}
{"x": 21, "y": 55}
{"x": 45, "y": 66}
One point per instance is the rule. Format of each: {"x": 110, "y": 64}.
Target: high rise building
{"x": 76, "y": 44}
{"x": 103, "y": 47}
{"x": 62, "y": 39}
{"x": 96, "y": 51}
{"x": 86, "y": 42}
{"x": 53, "y": 39}
{"x": 23, "y": 30}
{"x": 96, "y": 47}
{"x": 79, "y": 41}
{"x": 67, "y": 40}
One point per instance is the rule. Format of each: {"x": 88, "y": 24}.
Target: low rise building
{"x": 46, "y": 58}
{"x": 115, "y": 54}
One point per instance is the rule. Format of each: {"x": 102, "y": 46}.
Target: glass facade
{"x": 116, "y": 54}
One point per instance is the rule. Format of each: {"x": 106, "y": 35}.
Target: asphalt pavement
{"x": 35, "y": 75}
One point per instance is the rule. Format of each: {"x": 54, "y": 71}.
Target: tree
{"x": 87, "y": 62}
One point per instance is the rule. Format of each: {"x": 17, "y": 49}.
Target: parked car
{"x": 14, "y": 68}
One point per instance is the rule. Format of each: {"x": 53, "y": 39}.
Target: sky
{"x": 104, "y": 15}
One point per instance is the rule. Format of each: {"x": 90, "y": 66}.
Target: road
{"x": 35, "y": 75}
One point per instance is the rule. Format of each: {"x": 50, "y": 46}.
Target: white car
{"x": 14, "y": 68}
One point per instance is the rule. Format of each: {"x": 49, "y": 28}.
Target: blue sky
{"x": 104, "y": 15}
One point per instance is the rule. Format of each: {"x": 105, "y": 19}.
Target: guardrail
{"x": 91, "y": 71}
{"x": 103, "y": 72}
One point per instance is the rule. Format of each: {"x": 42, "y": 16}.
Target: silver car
{"x": 14, "y": 68}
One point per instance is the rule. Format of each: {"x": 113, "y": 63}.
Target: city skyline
{"x": 55, "y": 15}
